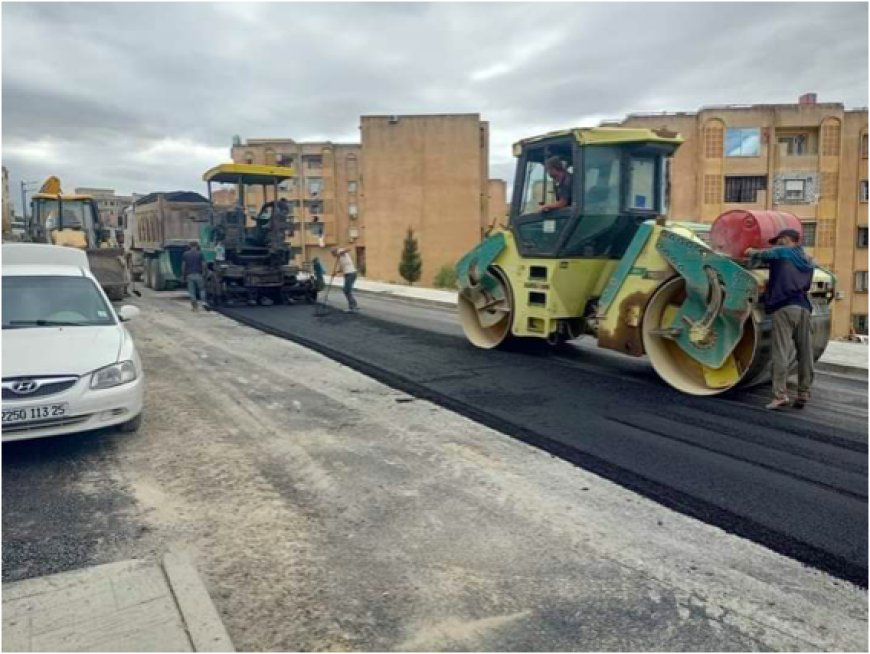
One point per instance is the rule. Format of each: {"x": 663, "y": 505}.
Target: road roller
{"x": 588, "y": 251}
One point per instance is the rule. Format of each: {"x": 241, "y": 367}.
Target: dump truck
{"x": 610, "y": 265}
{"x": 249, "y": 258}
{"x": 162, "y": 228}
{"x": 74, "y": 221}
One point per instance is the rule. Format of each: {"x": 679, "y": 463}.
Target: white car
{"x": 69, "y": 363}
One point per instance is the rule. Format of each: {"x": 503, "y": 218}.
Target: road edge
{"x": 201, "y": 619}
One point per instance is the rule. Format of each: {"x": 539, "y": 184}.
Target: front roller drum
{"x": 748, "y": 364}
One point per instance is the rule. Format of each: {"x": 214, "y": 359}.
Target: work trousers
{"x": 792, "y": 338}
{"x": 195, "y": 287}
{"x": 349, "y": 280}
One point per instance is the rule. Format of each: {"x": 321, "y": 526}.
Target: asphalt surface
{"x": 794, "y": 481}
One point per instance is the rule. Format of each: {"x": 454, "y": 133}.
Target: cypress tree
{"x": 411, "y": 264}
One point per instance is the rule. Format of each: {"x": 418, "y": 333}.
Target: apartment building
{"x": 325, "y": 194}
{"x": 111, "y": 206}
{"x": 428, "y": 173}
{"x": 808, "y": 158}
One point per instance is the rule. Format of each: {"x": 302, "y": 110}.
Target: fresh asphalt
{"x": 795, "y": 481}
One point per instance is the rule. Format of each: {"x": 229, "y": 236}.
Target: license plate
{"x": 35, "y": 413}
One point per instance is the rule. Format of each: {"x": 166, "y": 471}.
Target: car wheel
{"x": 149, "y": 283}
{"x": 131, "y": 425}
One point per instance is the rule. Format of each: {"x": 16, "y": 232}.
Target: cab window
{"x": 641, "y": 188}
{"x": 539, "y": 234}
{"x": 602, "y": 177}
{"x": 534, "y": 187}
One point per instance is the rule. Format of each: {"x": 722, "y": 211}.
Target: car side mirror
{"x": 127, "y": 312}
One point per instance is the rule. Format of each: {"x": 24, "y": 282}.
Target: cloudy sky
{"x": 144, "y": 97}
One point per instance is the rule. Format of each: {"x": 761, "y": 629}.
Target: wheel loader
{"x": 74, "y": 221}
{"x": 611, "y": 266}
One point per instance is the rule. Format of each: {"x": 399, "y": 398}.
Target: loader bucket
{"x": 109, "y": 266}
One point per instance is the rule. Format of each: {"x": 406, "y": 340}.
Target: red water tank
{"x": 734, "y": 231}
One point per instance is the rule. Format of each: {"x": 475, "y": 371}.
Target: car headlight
{"x": 114, "y": 375}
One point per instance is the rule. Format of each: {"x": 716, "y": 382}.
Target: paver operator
{"x": 192, "y": 268}
{"x": 348, "y": 270}
{"x": 791, "y": 276}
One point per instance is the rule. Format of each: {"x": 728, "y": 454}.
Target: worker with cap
{"x": 791, "y": 276}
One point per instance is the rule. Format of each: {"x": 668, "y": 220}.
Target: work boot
{"x": 776, "y": 403}
{"x": 801, "y": 400}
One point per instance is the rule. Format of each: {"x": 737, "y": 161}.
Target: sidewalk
{"x": 129, "y": 606}
{"x": 840, "y": 356}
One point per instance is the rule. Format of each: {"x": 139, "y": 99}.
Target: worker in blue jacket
{"x": 791, "y": 277}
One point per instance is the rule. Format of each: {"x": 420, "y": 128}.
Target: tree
{"x": 411, "y": 264}
{"x": 446, "y": 277}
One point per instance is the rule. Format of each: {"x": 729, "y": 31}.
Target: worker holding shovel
{"x": 348, "y": 270}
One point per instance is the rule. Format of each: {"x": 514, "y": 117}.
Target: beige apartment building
{"x": 429, "y": 173}
{"x": 111, "y": 206}
{"x": 809, "y": 159}
{"x": 325, "y": 194}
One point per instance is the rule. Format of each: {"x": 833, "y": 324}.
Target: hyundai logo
{"x": 25, "y": 386}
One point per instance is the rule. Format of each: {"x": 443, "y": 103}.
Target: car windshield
{"x": 53, "y": 301}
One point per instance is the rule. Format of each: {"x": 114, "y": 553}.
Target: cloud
{"x": 142, "y": 97}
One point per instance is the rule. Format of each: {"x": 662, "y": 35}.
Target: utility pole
{"x": 24, "y": 189}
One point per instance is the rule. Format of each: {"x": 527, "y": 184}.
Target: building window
{"x": 831, "y": 140}
{"x": 743, "y": 142}
{"x": 315, "y": 185}
{"x": 352, "y": 211}
{"x": 351, "y": 187}
{"x": 809, "y": 239}
{"x": 861, "y": 240}
{"x": 861, "y": 281}
{"x": 795, "y": 145}
{"x": 314, "y": 163}
{"x": 795, "y": 190}
{"x": 249, "y": 157}
{"x": 859, "y": 323}
{"x": 864, "y": 146}
{"x": 744, "y": 189}
{"x": 712, "y": 189}
{"x": 862, "y": 192}
{"x": 713, "y": 141}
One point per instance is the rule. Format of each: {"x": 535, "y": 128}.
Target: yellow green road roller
{"x": 588, "y": 251}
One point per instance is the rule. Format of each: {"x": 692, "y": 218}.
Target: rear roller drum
{"x": 486, "y": 316}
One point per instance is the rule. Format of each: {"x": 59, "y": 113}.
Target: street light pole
{"x": 24, "y": 189}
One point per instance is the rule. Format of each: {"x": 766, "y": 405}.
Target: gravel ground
{"x": 329, "y": 512}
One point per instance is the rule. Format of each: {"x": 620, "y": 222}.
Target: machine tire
{"x": 213, "y": 292}
{"x": 159, "y": 283}
{"x": 146, "y": 274}
{"x": 116, "y": 293}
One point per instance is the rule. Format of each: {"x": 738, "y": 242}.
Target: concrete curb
{"x": 852, "y": 371}
{"x": 204, "y": 625}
